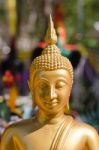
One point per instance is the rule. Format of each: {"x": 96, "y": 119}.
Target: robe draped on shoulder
{"x": 61, "y": 135}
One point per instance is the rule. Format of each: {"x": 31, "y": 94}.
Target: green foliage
{"x": 90, "y": 12}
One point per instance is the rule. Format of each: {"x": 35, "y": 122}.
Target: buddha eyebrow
{"x": 62, "y": 80}
{"x": 43, "y": 79}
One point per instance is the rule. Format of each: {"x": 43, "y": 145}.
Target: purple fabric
{"x": 89, "y": 72}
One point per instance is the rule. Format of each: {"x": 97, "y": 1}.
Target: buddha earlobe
{"x": 31, "y": 91}
{"x": 68, "y": 106}
{"x": 29, "y": 84}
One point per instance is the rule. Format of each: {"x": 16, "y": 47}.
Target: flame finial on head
{"x": 51, "y": 37}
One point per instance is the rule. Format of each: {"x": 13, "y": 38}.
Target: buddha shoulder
{"x": 22, "y": 127}
{"x": 85, "y": 130}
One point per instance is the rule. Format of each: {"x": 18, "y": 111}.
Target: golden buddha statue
{"x": 51, "y": 79}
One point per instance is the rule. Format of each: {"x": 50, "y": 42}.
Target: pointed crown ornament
{"x": 51, "y": 58}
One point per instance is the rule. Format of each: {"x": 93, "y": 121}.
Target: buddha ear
{"x": 33, "y": 104}
{"x": 30, "y": 88}
{"x": 29, "y": 85}
{"x": 68, "y": 106}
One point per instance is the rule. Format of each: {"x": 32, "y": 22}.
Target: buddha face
{"x": 51, "y": 90}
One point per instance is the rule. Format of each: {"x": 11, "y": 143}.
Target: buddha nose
{"x": 53, "y": 93}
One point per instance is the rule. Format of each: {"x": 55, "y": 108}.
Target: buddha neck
{"x": 49, "y": 118}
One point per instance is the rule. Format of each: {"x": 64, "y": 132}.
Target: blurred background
{"x": 23, "y": 24}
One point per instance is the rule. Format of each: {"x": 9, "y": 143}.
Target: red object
{"x": 18, "y": 77}
{"x": 8, "y": 78}
{"x": 59, "y": 14}
{"x": 42, "y": 44}
{"x": 70, "y": 47}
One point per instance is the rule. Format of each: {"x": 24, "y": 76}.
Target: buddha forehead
{"x": 52, "y": 75}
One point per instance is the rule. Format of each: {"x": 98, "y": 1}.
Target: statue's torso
{"x": 41, "y": 138}
{"x": 72, "y": 137}
{"x": 44, "y": 137}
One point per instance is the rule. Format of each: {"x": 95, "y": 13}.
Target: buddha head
{"x": 51, "y": 76}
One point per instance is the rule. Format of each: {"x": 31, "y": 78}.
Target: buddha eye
{"x": 43, "y": 86}
{"x": 60, "y": 84}
{"x": 43, "y": 89}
